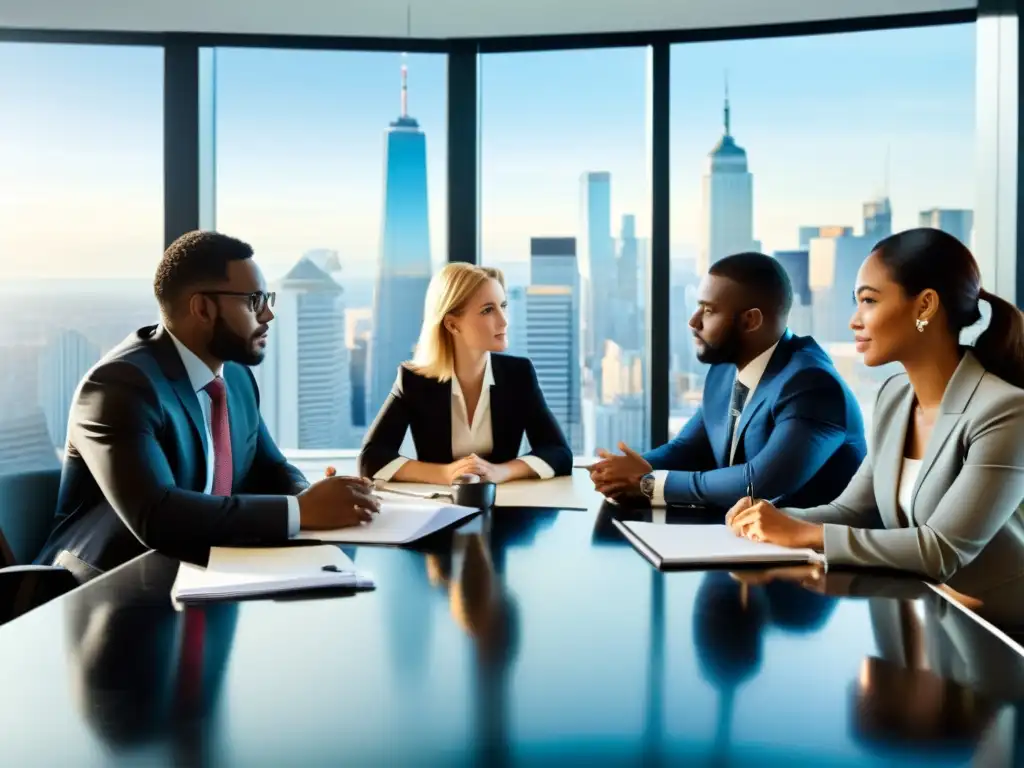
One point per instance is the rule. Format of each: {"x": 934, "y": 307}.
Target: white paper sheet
{"x": 575, "y": 491}
{"x": 706, "y": 545}
{"x": 240, "y": 572}
{"x": 401, "y": 520}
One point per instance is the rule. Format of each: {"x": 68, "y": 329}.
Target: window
{"x": 81, "y": 226}
{"x": 812, "y": 150}
{"x": 565, "y": 212}
{"x": 332, "y": 165}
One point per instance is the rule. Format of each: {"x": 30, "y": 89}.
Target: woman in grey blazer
{"x": 940, "y": 491}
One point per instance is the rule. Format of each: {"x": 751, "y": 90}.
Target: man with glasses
{"x": 166, "y": 447}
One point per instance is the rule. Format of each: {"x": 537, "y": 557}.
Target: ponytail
{"x": 1000, "y": 348}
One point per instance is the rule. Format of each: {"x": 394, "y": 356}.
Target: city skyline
{"x": 315, "y": 170}
{"x": 300, "y": 138}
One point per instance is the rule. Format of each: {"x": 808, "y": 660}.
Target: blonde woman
{"x": 468, "y": 407}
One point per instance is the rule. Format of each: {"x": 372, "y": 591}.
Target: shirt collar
{"x": 752, "y": 372}
{"x": 199, "y": 373}
{"x": 488, "y": 379}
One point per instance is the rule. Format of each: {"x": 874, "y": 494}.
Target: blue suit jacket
{"x": 801, "y": 433}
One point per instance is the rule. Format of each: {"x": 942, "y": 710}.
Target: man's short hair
{"x": 194, "y": 259}
{"x": 762, "y": 276}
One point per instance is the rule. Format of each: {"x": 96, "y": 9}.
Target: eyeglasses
{"x": 258, "y": 300}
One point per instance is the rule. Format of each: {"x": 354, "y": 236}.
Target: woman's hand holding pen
{"x": 761, "y": 521}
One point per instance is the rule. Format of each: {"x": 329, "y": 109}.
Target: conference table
{"x": 524, "y": 636}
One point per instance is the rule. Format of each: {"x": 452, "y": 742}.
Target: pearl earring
{"x": 920, "y": 325}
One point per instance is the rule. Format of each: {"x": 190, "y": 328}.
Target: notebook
{"x": 237, "y": 572}
{"x": 713, "y": 545}
{"x": 400, "y": 521}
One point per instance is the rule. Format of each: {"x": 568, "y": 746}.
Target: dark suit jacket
{"x": 800, "y": 436}
{"x": 135, "y": 464}
{"x": 425, "y": 406}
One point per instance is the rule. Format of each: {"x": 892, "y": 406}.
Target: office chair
{"x": 27, "y": 504}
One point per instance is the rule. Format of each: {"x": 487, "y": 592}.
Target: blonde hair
{"x": 447, "y": 294}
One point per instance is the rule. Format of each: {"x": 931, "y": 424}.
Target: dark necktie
{"x": 739, "y": 397}
{"x": 221, "y": 430}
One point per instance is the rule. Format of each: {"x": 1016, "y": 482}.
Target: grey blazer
{"x": 966, "y": 522}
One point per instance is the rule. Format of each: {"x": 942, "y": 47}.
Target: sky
{"x": 300, "y": 143}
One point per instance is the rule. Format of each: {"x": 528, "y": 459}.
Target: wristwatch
{"x": 647, "y": 485}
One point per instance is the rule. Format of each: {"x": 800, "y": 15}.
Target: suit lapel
{"x": 500, "y": 428}
{"x": 888, "y": 462}
{"x": 174, "y": 369}
{"x": 443, "y": 420}
{"x": 959, "y": 391}
{"x": 765, "y": 387}
{"x": 717, "y": 398}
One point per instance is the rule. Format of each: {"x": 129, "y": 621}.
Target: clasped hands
{"x": 617, "y": 476}
{"x": 474, "y": 465}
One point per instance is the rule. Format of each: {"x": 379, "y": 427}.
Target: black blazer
{"x": 135, "y": 464}
{"x": 425, "y": 406}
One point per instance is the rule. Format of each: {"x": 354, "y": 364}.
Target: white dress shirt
{"x": 199, "y": 375}
{"x": 908, "y": 478}
{"x": 467, "y": 438}
{"x": 749, "y": 376}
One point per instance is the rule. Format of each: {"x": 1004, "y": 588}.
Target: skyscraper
{"x": 552, "y": 330}
{"x": 629, "y": 317}
{"x": 404, "y": 265}
{"x": 806, "y": 234}
{"x": 62, "y": 364}
{"x": 305, "y": 378}
{"x": 596, "y": 259}
{"x": 877, "y": 218}
{"x": 728, "y": 193}
{"x": 516, "y": 314}
{"x": 797, "y": 266}
{"x": 957, "y": 222}
{"x": 833, "y": 264}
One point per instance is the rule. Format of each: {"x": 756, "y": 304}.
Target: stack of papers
{"x": 401, "y": 520}
{"x": 237, "y": 572}
{"x": 697, "y": 545}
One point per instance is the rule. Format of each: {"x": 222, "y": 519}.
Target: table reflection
{"x": 143, "y": 673}
{"x": 938, "y": 681}
{"x": 635, "y": 665}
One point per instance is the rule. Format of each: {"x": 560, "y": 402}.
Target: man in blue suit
{"x": 776, "y": 417}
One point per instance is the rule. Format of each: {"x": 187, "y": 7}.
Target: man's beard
{"x": 726, "y": 351}
{"x": 228, "y": 346}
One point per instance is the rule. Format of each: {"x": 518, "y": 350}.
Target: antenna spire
{"x": 405, "y": 88}
{"x": 727, "y": 126}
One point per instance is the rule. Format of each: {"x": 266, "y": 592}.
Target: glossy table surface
{"x": 526, "y": 637}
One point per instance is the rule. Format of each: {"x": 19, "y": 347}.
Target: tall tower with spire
{"x": 404, "y": 261}
{"x": 728, "y": 198}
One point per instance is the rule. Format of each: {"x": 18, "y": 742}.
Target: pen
{"x": 750, "y": 488}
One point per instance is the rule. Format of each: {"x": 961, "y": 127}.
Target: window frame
{"x": 1000, "y": 201}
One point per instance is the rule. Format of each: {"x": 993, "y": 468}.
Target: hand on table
{"x": 337, "y": 502}
{"x": 615, "y": 475}
{"x": 761, "y": 521}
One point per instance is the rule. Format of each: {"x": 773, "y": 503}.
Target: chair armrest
{"x": 24, "y": 587}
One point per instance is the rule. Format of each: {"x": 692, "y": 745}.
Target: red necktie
{"x": 190, "y": 665}
{"x": 220, "y": 427}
